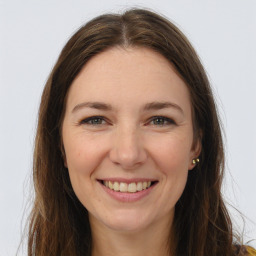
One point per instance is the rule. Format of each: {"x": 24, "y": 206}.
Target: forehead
{"x": 122, "y": 76}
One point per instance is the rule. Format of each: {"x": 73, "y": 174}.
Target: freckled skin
{"x": 127, "y": 144}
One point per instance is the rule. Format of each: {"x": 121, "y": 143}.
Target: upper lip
{"x": 125, "y": 180}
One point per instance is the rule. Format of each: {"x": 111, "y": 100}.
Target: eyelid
{"x": 170, "y": 121}
{"x": 85, "y": 121}
{"x": 166, "y": 121}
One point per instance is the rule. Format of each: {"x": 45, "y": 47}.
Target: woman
{"x": 129, "y": 156}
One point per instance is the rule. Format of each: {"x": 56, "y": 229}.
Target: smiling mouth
{"x": 132, "y": 187}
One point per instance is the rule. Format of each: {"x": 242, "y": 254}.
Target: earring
{"x": 197, "y": 160}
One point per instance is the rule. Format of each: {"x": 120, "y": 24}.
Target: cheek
{"x": 174, "y": 166}
{"x": 172, "y": 159}
{"x": 173, "y": 155}
{"x": 82, "y": 155}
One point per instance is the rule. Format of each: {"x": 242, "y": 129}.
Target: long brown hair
{"x": 59, "y": 223}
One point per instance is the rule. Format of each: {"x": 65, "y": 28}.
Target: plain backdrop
{"x": 32, "y": 33}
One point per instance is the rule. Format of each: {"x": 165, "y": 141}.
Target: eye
{"x": 161, "y": 121}
{"x": 94, "y": 120}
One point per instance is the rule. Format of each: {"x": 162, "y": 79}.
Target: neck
{"x": 151, "y": 241}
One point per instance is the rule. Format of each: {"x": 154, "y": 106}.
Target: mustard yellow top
{"x": 251, "y": 251}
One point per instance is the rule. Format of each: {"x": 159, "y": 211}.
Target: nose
{"x": 127, "y": 149}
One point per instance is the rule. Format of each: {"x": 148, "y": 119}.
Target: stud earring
{"x": 197, "y": 160}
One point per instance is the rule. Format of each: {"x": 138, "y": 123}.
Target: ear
{"x": 195, "y": 152}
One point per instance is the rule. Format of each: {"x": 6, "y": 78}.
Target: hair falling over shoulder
{"x": 59, "y": 223}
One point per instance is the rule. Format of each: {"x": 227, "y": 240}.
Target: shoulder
{"x": 250, "y": 251}
{"x": 244, "y": 250}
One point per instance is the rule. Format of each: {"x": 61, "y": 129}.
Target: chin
{"x": 126, "y": 226}
{"x": 128, "y": 221}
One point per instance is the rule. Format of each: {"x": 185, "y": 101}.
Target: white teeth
{"x": 116, "y": 186}
{"x": 139, "y": 186}
{"x": 132, "y": 187}
{"x": 110, "y": 185}
{"x": 125, "y": 187}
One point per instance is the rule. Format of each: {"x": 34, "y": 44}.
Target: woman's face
{"x": 128, "y": 138}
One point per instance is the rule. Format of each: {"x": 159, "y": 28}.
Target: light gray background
{"x": 32, "y": 33}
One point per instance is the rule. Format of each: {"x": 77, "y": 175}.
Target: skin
{"x": 129, "y": 142}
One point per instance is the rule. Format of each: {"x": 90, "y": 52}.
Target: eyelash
{"x": 92, "y": 118}
{"x": 164, "y": 121}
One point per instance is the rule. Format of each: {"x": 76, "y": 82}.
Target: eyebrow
{"x": 95, "y": 105}
{"x": 162, "y": 105}
{"x": 107, "y": 107}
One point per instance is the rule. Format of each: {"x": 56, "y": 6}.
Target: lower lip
{"x": 128, "y": 197}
